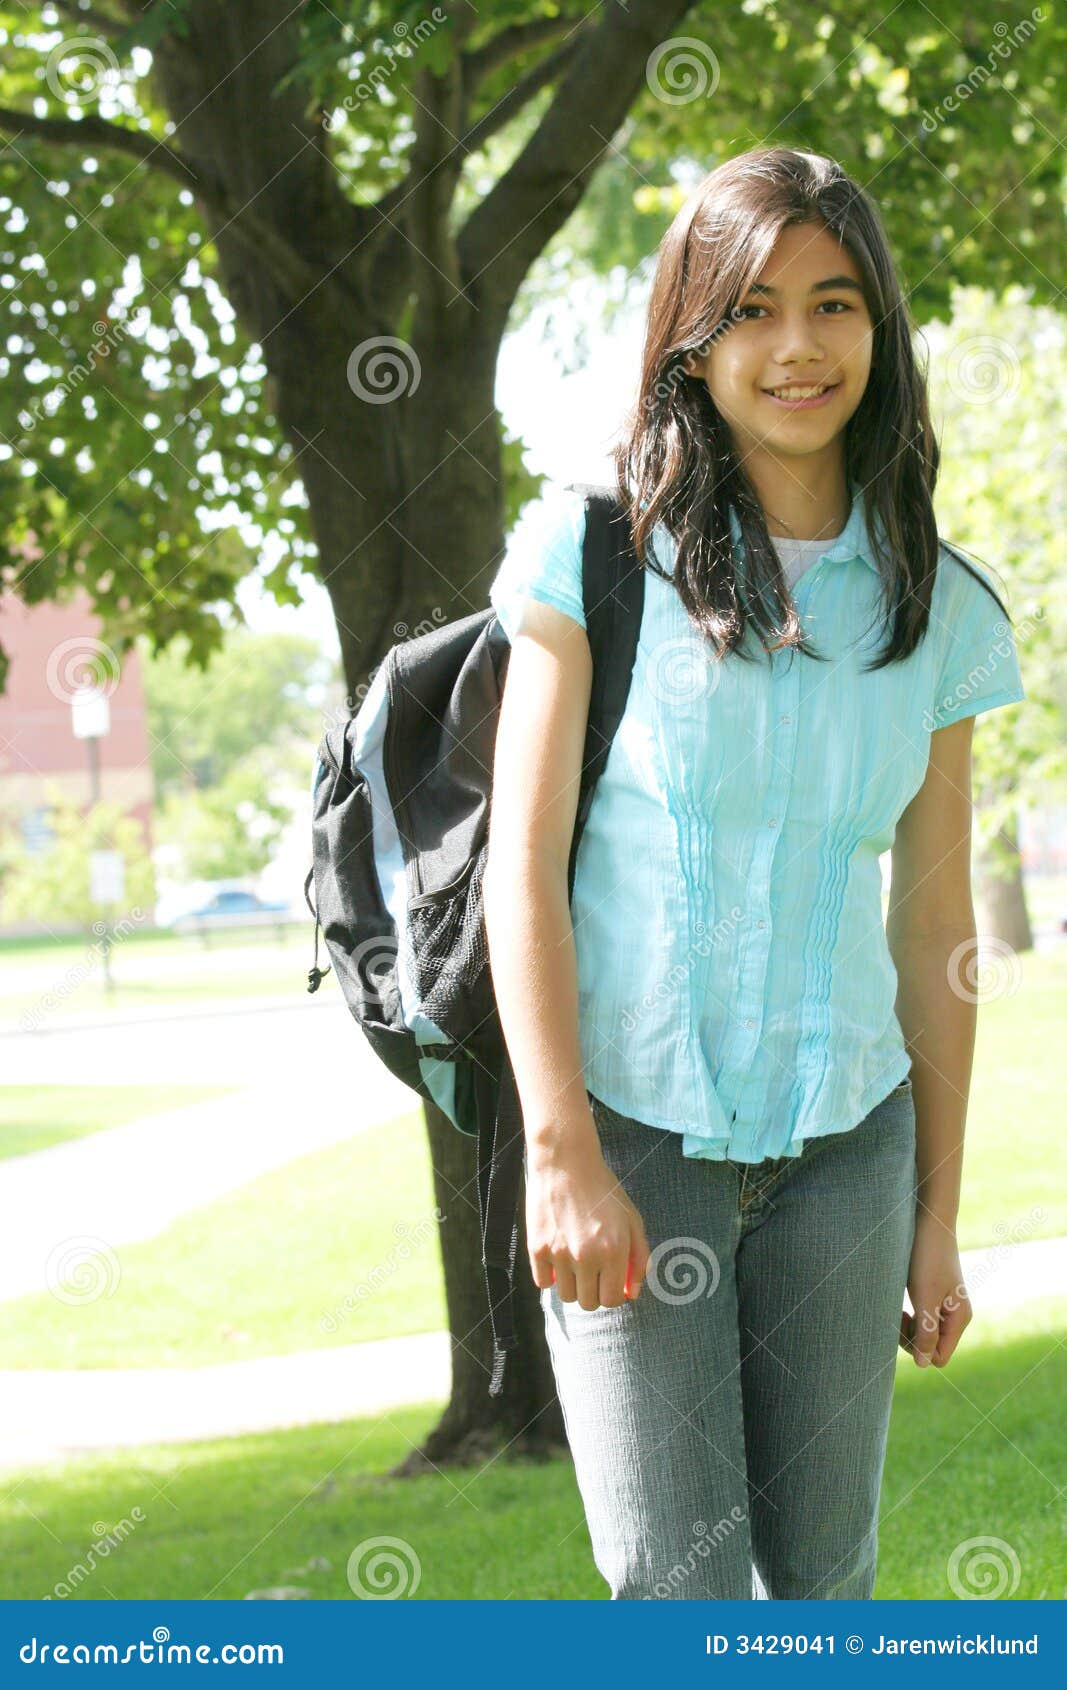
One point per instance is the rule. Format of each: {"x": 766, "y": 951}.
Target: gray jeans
{"x": 729, "y": 1426}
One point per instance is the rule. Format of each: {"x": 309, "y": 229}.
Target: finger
{"x": 637, "y": 1266}
{"x": 905, "y": 1329}
{"x": 588, "y": 1278}
{"x": 954, "y": 1322}
{"x": 613, "y": 1285}
{"x": 565, "y": 1284}
{"x": 925, "y": 1334}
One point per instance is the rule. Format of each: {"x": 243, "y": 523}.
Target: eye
{"x": 840, "y": 303}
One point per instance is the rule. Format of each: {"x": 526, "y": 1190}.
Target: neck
{"x": 801, "y": 502}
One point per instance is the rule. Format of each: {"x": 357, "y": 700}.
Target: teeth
{"x": 798, "y": 392}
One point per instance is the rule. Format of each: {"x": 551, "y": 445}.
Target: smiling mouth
{"x": 801, "y": 394}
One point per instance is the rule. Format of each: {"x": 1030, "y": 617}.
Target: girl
{"x": 743, "y": 1094}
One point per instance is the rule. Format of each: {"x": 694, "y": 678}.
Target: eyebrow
{"x": 829, "y": 284}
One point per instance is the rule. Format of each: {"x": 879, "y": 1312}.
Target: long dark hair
{"x": 675, "y": 462}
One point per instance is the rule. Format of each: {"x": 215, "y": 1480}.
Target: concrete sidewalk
{"x": 47, "y": 1415}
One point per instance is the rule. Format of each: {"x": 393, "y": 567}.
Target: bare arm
{"x": 540, "y": 739}
{"x": 582, "y": 1230}
{"x": 931, "y": 932}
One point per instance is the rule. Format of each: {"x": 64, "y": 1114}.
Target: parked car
{"x": 235, "y": 906}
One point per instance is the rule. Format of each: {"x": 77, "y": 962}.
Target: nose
{"x": 798, "y": 341}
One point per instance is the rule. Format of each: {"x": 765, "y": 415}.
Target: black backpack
{"x": 400, "y": 815}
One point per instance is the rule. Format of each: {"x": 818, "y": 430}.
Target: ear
{"x": 692, "y": 364}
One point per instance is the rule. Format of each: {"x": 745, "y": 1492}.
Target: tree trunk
{"x": 1002, "y": 891}
{"x": 381, "y": 342}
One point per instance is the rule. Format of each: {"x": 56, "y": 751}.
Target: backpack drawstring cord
{"x": 316, "y": 975}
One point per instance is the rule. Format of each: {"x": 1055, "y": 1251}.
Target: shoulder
{"x": 543, "y": 557}
{"x": 966, "y": 586}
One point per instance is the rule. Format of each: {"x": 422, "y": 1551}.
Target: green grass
{"x": 286, "y": 1250}
{"x": 34, "y": 1117}
{"x": 61, "y": 979}
{"x": 1015, "y": 1152}
{"x": 227, "y": 1517}
{"x": 255, "y": 1272}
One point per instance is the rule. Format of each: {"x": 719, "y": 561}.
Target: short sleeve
{"x": 979, "y": 667}
{"x": 543, "y": 560}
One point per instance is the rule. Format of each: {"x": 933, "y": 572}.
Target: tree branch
{"x": 508, "y": 43}
{"x": 533, "y": 199}
{"x": 511, "y": 103}
{"x": 294, "y": 274}
{"x": 92, "y": 132}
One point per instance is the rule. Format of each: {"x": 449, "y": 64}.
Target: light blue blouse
{"x": 735, "y": 983}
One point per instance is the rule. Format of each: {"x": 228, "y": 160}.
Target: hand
{"x": 938, "y": 1295}
{"x": 582, "y": 1230}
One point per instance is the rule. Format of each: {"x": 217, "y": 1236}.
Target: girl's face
{"x": 804, "y": 323}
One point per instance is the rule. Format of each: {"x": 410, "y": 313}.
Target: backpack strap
{"x": 613, "y": 590}
{"x": 613, "y": 584}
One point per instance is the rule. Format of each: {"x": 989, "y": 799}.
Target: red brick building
{"x": 53, "y": 650}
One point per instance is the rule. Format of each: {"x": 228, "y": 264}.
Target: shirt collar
{"x": 851, "y": 545}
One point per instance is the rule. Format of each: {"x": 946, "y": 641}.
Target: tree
{"x": 1000, "y": 375}
{"x": 268, "y": 253}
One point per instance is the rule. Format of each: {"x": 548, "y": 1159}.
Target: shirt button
{"x": 773, "y": 822}
{"x": 750, "y": 1023}
{"x": 785, "y": 720}
{"x": 761, "y": 924}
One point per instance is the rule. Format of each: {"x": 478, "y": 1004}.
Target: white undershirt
{"x": 798, "y": 555}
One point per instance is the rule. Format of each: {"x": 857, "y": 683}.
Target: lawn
{"x": 259, "y": 1271}
{"x": 975, "y": 1452}
{"x": 341, "y": 1245}
{"x": 61, "y": 978}
{"x": 34, "y": 1117}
